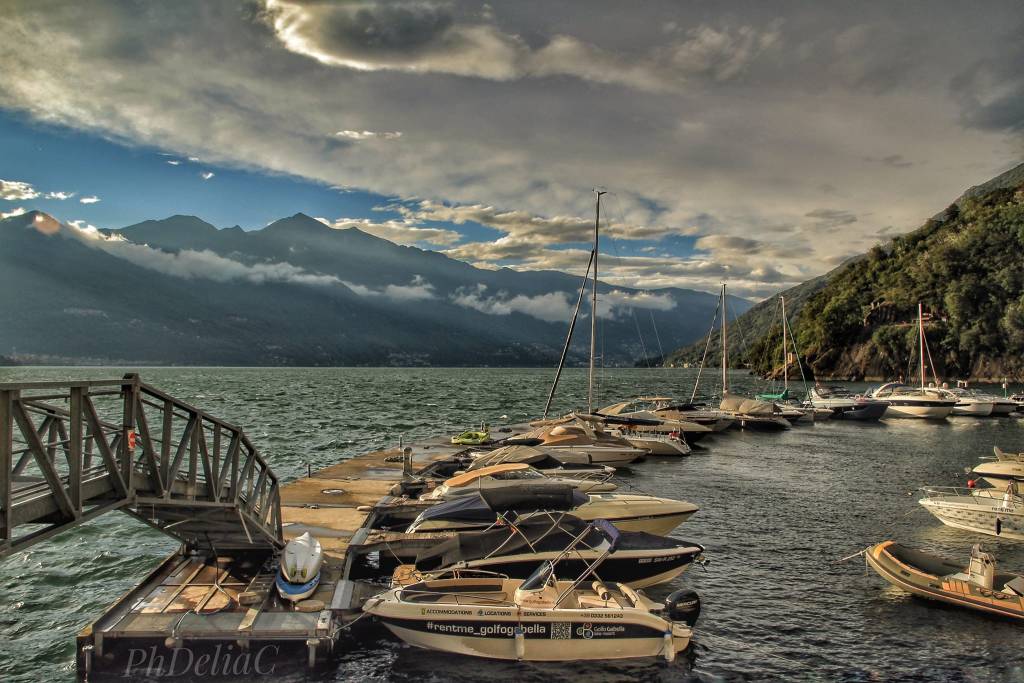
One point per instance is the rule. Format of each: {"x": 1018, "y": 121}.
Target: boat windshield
{"x": 539, "y": 578}
{"x": 518, "y": 474}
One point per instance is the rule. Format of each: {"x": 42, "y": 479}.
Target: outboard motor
{"x": 683, "y": 605}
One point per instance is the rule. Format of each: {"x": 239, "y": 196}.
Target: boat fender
{"x": 670, "y": 649}
{"x": 520, "y": 642}
{"x": 683, "y": 605}
{"x": 601, "y": 590}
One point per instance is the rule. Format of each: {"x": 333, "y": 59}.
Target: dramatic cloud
{"x": 418, "y": 290}
{"x": 20, "y": 211}
{"x": 422, "y": 37}
{"x": 187, "y": 263}
{"x": 89, "y": 200}
{"x": 15, "y": 190}
{"x": 368, "y": 135}
{"x": 558, "y": 306}
{"x": 552, "y": 307}
{"x": 399, "y": 232}
{"x": 714, "y": 126}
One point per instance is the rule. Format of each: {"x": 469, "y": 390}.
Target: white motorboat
{"x": 299, "y": 574}
{"x": 912, "y": 402}
{"x": 655, "y": 443}
{"x": 540, "y": 618}
{"x": 628, "y": 511}
{"x": 970, "y": 403}
{"x": 509, "y": 474}
{"x": 996, "y": 509}
{"x": 1001, "y": 406}
{"x": 844, "y": 404}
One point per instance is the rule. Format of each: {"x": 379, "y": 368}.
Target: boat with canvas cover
{"x": 665, "y": 416}
{"x": 755, "y": 415}
{"x": 541, "y": 460}
{"x": 517, "y": 549}
{"x": 487, "y": 507}
{"x": 299, "y": 574}
{"x": 580, "y": 441}
{"x": 845, "y": 405}
{"x": 483, "y": 614}
{"x": 996, "y": 509}
{"x": 977, "y": 586}
{"x": 506, "y": 475}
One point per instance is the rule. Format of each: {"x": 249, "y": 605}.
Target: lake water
{"x": 777, "y": 512}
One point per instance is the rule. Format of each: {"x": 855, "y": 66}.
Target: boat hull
{"x": 921, "y": 410}
{"x": 977, "y": 513}
{"x": 973, "y": 409}
{"x": 576, "y": 634}
{"x": 861, "y": 411}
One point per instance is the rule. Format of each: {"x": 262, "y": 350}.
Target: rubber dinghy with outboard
{"x": 516, "y": 550}
{"x": 977, "y": 586}
{"x": 483, "y": 614}
{"x": 299, "y": 574}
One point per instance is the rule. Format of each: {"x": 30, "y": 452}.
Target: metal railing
{"x": 71, "y": 451}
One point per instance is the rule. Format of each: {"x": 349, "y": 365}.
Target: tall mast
{"x": 920, "y": 328}
{"x": 785, "y": 364}
{"x": 593, "y": 308}
{"x": 725, "y": 347}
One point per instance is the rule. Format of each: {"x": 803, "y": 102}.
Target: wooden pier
{"x": 71, "y": 451}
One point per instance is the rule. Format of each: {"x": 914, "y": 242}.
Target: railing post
{"x": 75, "y": 448}
{"x": 129, "y": 395}
{"x": 7, "y": 399}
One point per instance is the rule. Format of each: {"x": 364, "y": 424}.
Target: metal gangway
{"x": 71, "y": 451}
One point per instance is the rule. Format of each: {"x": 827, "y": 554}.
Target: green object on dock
{"x": 472, "y": 438}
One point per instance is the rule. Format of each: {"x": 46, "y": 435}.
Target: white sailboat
{"x": 908, "y": 402}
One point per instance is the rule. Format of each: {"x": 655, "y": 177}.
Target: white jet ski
{"x": 299, "y": 574}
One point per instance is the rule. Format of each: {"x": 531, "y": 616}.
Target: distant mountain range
{"x": 181, "y": 291}
{"x": 963, "y": 265}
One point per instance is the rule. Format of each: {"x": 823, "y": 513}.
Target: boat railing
{"x": 965, "y": 492}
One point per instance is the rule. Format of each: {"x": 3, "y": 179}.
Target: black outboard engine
{"x": 683, "y": 605}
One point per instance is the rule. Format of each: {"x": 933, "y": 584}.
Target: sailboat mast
{"x": 593, "y": 308}
{"x": 785, "y": 365}
{"x": 725, "y": 347}
{"x": 920, "y": 328}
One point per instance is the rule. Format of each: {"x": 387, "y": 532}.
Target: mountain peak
{"x": 299, "y": 221}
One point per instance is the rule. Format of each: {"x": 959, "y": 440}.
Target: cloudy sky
{"x": 754, "y": 142}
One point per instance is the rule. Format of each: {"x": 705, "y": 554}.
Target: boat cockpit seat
{"x": 595, "y": 602}
{"x": 1015, "y": 587}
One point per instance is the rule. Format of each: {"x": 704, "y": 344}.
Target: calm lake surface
{"x": 777, "y": 512}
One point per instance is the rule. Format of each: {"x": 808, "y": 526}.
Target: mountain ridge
{"x": 297, "y": 292}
